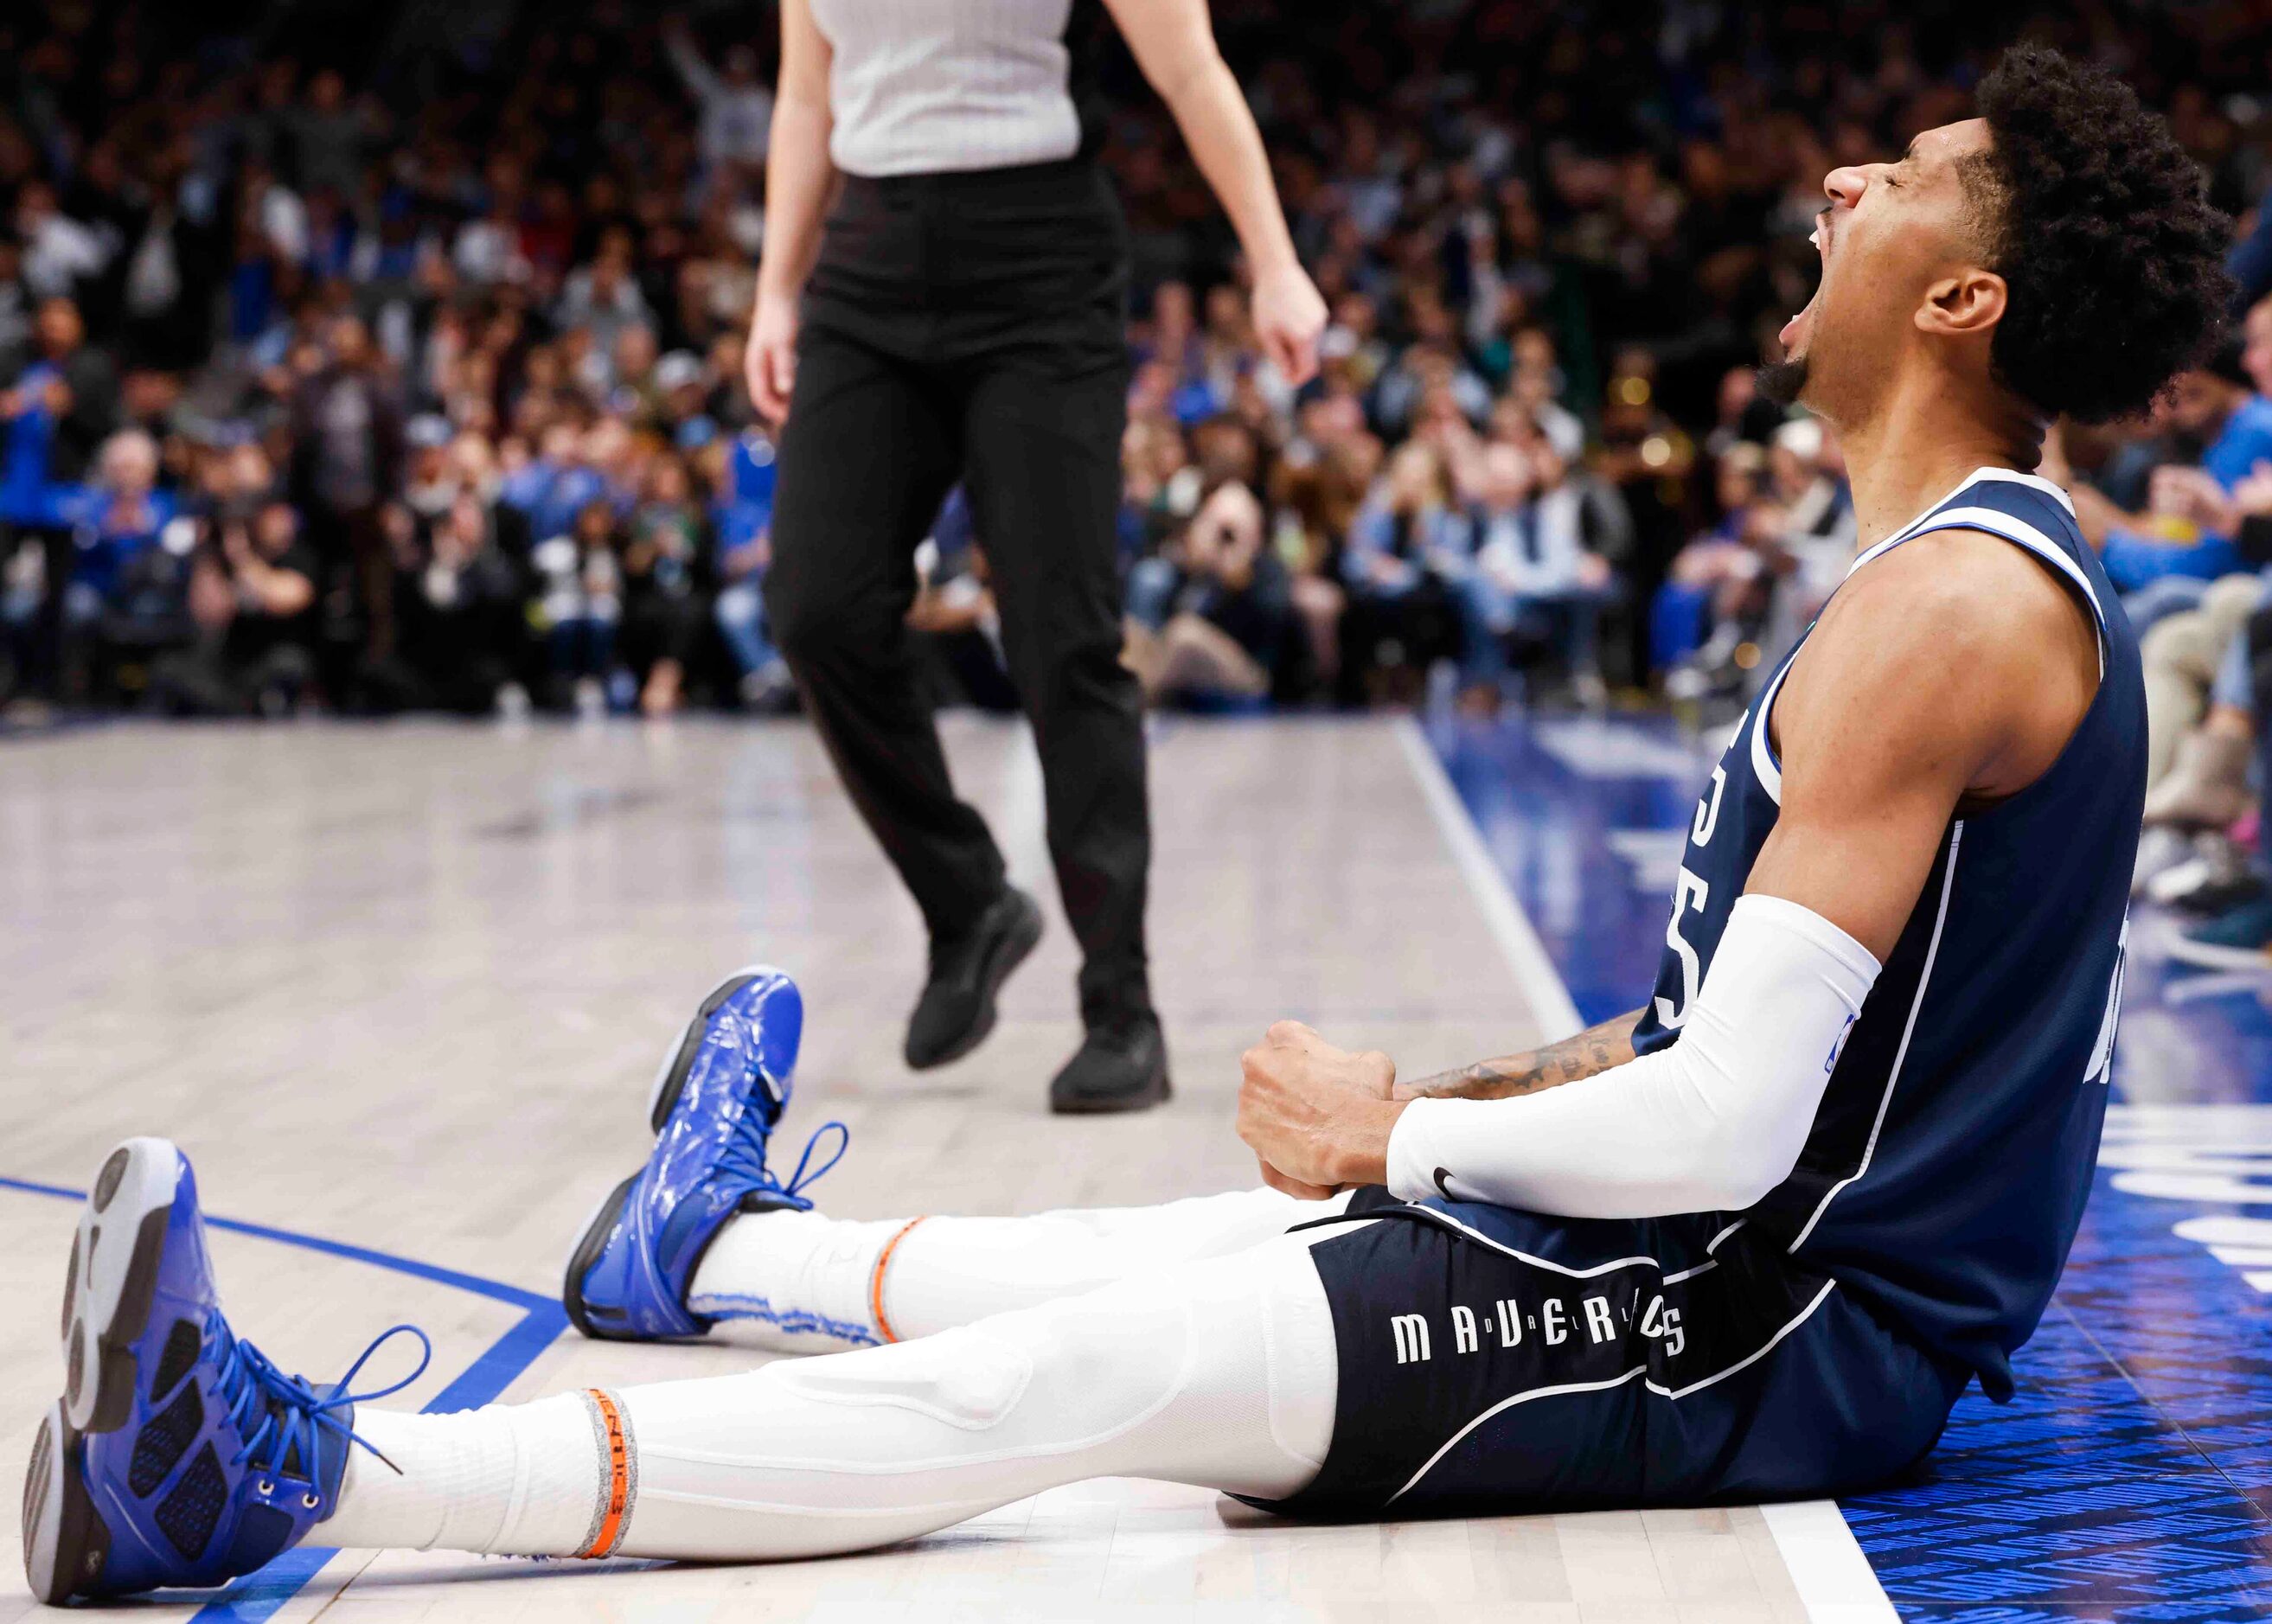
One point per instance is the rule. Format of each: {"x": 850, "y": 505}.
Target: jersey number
{"x": 1688, "y": 893}
{"x": 1708, "y": 810}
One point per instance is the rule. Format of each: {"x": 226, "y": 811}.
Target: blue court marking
{"x": 2131, "y": 1478}
{"x": 258, "y": 1596}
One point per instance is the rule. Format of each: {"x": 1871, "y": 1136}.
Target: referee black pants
{"x": 970, "y": 327}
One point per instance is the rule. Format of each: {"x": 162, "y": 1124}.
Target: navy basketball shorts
{"x": 1493, "y": 1361}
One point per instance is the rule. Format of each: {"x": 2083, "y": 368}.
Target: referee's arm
{"x": 1174, "y": 44}
{"x": 798, "y": 175}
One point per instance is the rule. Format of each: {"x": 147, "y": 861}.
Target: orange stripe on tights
{"x": 876, "y": 1282}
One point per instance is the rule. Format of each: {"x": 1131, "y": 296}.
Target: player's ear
{"x": 1968, "y": 303}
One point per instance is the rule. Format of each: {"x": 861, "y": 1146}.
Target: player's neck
{"x": 1922, "y": 442}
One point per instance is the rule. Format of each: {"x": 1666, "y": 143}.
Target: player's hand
{"x": 1289, "y": 313}
{"x": 769, "y": 362}
{"x": 1317, "y": 1116}
{"x": 1275, "y": 1180}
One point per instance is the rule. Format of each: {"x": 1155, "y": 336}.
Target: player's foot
{"x": 721, "y": 1090}
{"x": 1120, "y": 1066}
{"x": 2238, "y": 939}
{"x": 178, "y": 1454}
{"x": 956, "y": 1010}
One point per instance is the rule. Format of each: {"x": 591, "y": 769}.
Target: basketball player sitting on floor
{"x": 1750, "y": 1241}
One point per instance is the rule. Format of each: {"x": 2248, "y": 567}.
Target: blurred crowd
{"x": 389, "y": 360}
{"x": 2181, "y": 511}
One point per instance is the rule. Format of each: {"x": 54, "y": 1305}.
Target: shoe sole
{"x": 107, "y": 1289}
{"x": 112, "y": 1277}
{"x": 2208, "y": 956}
{"x": 65, "y": 1542}
{"x": 1155, "y": 1093}
{"x": 589, "y": 1247}
{"x": 678, "y": 1059}
{"x": 1008, "y": 954}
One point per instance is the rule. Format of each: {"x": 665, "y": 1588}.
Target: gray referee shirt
{"x": 920, "y": 86}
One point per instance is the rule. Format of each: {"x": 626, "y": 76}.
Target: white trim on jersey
{"x": 1909, "y": 1030}
{"x": 1764, "y": 765}
{"x": 1923, "y": 521}
{"x": 1658, "y": 1387}
{"x": 2036, "y": 480}
{"x": 1756, "y": 1355}
{"x": 1508, "y": 1403}
{"x": 1438, "y": 1215}
{"x": 2024, "y": 535}
{"x": 2020, "y": 534}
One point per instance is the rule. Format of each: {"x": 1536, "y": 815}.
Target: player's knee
{"x": 1081, "y": 1370}
{"x": 963, "y": 1377}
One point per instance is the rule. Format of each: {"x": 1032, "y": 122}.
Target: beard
{"x": 1781, "y": 382}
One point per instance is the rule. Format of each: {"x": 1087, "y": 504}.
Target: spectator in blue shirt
{"x": 1406, "y": 550}
{"x": 2163, "y": 559}
{"x": 1532, "y": 574}
{"x": 111, "y": 520}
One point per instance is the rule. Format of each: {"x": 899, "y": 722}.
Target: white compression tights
{"x": 1190, "y": 1343}
{"x": 801, "y": 1283}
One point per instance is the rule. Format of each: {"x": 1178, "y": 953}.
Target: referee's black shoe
{"x": 956, "y": 1010}
{"x": 1120, "y": 1066}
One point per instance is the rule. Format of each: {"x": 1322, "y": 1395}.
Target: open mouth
{"x": 1794, "y": 330}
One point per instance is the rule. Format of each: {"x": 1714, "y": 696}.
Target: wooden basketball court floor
{"x": 401, "y": 989}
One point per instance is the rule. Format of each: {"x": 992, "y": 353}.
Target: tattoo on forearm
{"x": 1595, "y": 1050}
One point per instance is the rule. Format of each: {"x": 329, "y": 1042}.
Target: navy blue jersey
{"x": 1949, "y": 1164}
{"x": 1494, "y": 1359}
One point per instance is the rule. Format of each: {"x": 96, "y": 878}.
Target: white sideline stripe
{"x": 1833, "y": 1577}
{"x": 1526, "y": 954}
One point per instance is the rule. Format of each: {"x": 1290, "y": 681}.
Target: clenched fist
{"x": 1317, "y": 1117}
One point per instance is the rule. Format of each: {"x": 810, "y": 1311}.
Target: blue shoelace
{"x": 745, "y": 1159}
{"x": 290, "y": 1411}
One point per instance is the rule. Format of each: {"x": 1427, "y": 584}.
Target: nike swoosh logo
{"x": 1441, "y": 1173}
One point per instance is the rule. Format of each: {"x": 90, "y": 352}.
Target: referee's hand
{"x": 769, "y": 362}
{"x": 1289, "y": 316}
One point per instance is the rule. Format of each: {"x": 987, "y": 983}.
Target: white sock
{"x": 527, "y": 1478}
{"x": 794, "y": 1281}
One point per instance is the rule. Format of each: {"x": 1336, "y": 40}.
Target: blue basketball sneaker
{"x": 178, "y": 1454}
{"x": 720, "y": 1091}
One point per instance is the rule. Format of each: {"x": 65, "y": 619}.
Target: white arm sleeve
{"x": 1710, "y": 1124}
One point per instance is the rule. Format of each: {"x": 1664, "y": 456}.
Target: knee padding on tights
{"x": 1066, "y": 1375}
{"x": 1220, "y": 1375}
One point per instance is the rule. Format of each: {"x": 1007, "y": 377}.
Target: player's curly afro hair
{"x": 2099, "y": 225}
